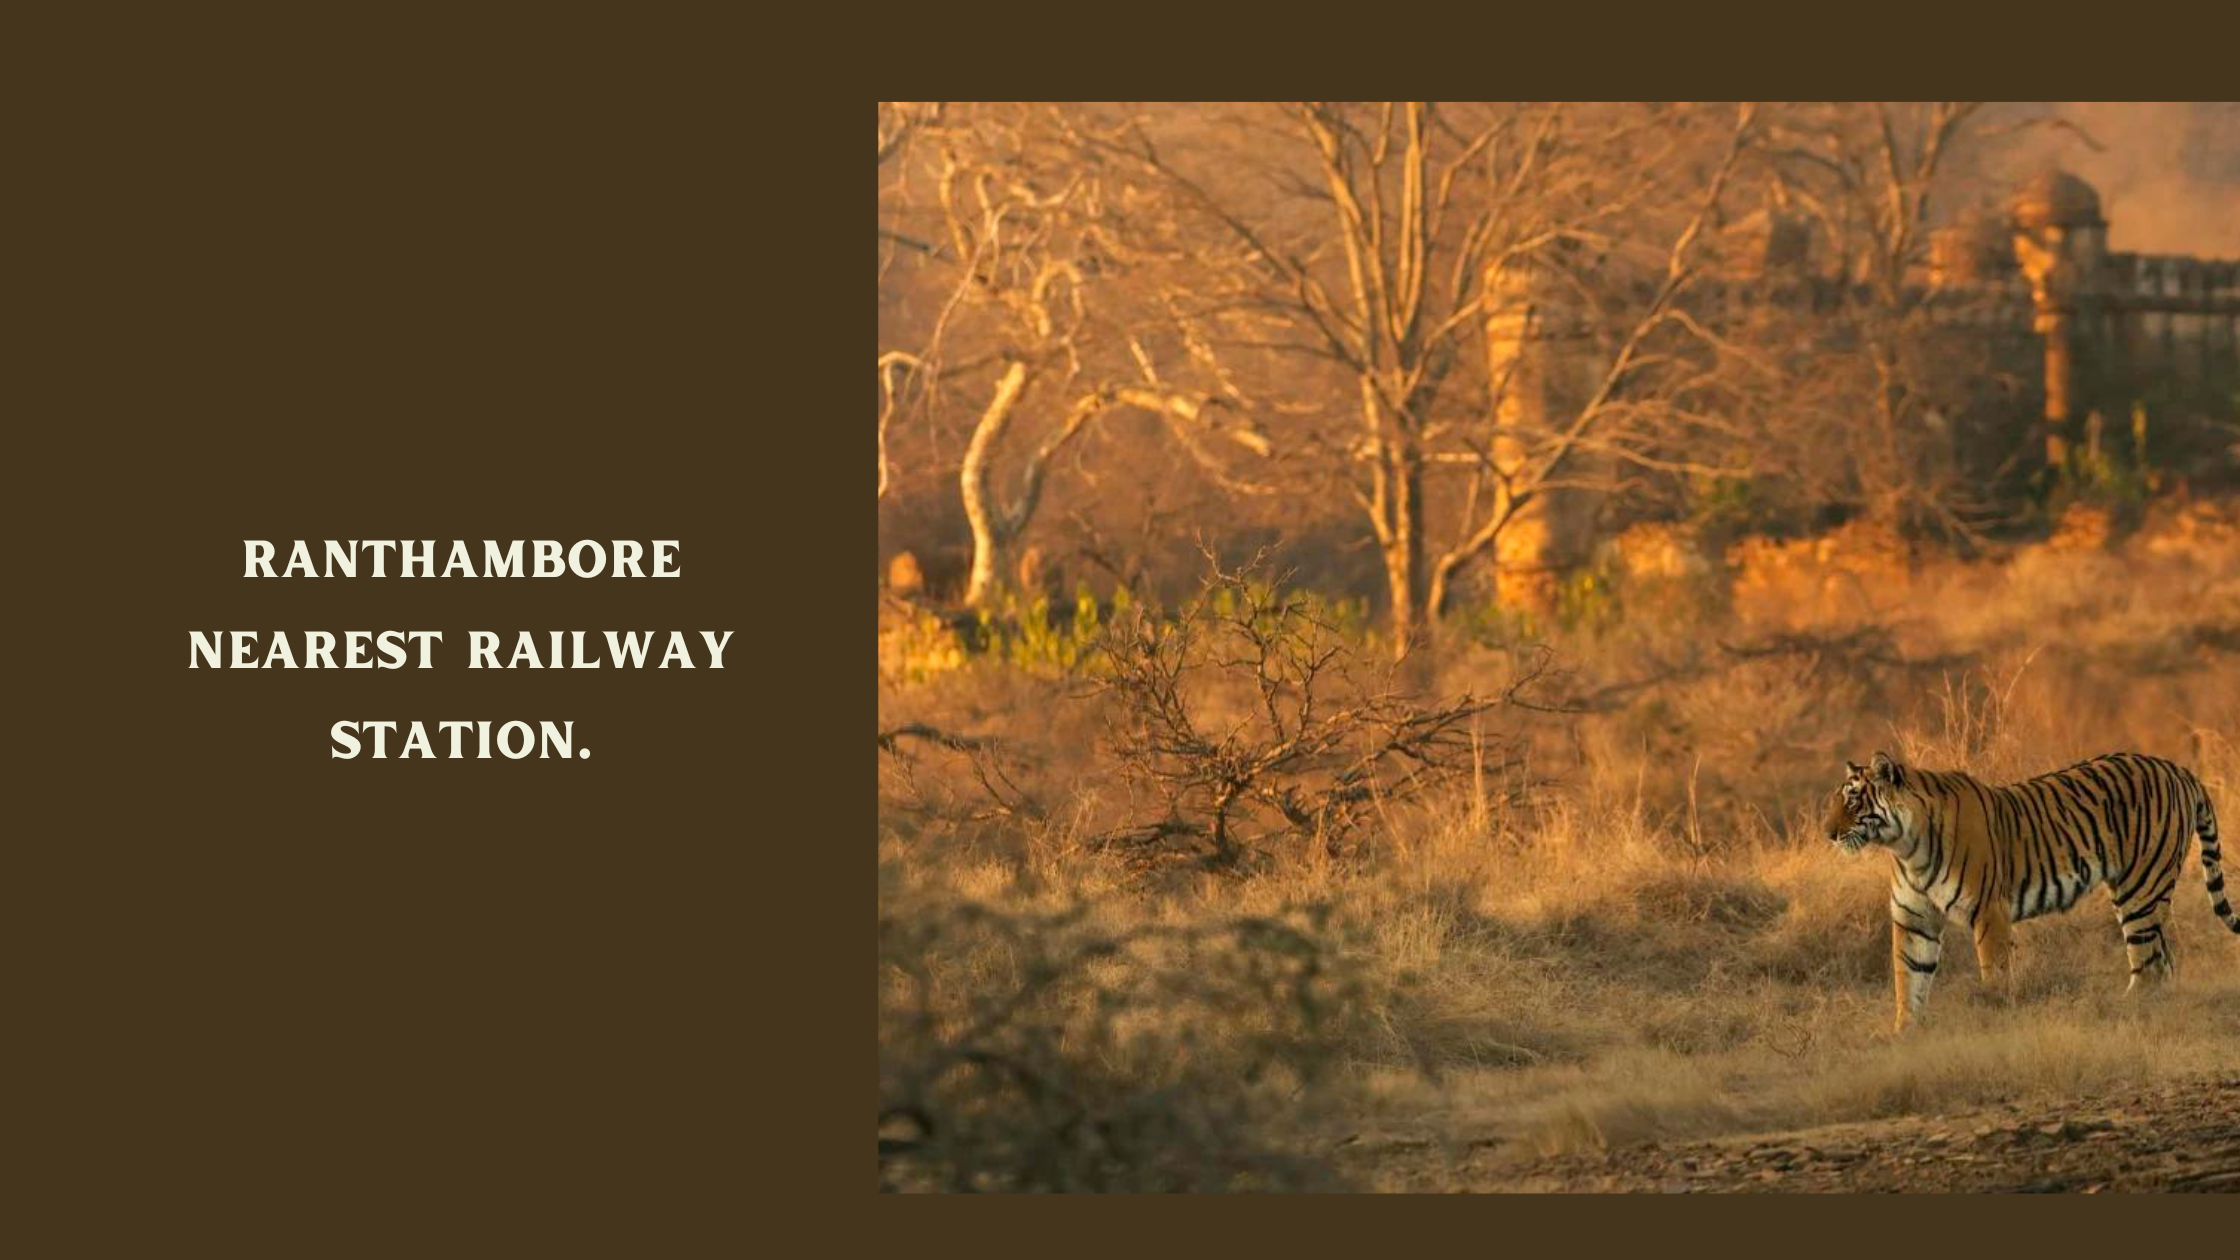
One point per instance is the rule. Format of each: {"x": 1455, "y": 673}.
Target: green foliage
{"x": 2106, "y": 469}
{"x": 1027, "y": 636}
{"x": 1035, "y": 638}
{"x": 2100, "y": 470}
{"x": 1491, "y": 623}
{"x": 1595, "y": 600}
{"x": 1588, "y": 599}
{"x": 1346, "y": 619}
{"x": 1730, "y": 506}
{"x": 1342, "y": 620}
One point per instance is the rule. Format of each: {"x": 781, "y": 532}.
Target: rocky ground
{"x": 2168, "y": 1138}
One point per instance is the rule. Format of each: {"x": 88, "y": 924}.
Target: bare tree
{"x": 898, "y": 122}
{"x": 1414, "y": 205}
{"x": 1878, "y": 177}
{"x": 1047, "y": 324}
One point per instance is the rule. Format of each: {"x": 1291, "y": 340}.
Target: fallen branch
{"x": 889, "y": 740}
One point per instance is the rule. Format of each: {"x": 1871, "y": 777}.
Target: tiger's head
{"x": 1874, "y": 806}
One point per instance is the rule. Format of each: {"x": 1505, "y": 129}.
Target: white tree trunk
{"x": 992, "y": 527}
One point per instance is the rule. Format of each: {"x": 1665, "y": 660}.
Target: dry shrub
{"x": 1860, "y": 568}
{"x": 2191, "y": 528}
{"x": 1654, "y": 550}
{"x": 1263, "y": 732}
{"x": 1716, "y": 899}
{"x": 2082, "y": 527}
{"x": 1030, "y": 1050}
{"x": 916, "y": 642}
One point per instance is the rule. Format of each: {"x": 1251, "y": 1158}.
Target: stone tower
{"x": 1542, "y": 366}
{"x": 2061, "y": 242}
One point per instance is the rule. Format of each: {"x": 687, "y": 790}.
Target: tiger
{"x": 1992, "y": 856}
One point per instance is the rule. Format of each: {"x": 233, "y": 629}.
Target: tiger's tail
{"x": 2205, "y": 826}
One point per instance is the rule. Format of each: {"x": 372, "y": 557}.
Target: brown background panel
{"x": 422, "y": 970}
{"x": 263, "y": 991}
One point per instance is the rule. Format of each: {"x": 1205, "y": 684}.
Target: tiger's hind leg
{"x": 1995, "y": 952}
{"x": 2145, "y": 941}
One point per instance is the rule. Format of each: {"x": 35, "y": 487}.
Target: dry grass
{"x": 1637, "y": 937}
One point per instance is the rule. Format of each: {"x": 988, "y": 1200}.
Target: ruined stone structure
{"x": 2101, "y": 333}
{"x": 1541, "y": 361}
{"x": 2119, "y": 328}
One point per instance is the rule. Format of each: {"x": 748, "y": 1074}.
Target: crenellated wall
{"x": 2118, "y": 329}
{"x": 2165, "y": 321}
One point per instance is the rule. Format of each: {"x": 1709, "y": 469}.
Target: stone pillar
{"x": 1541, "y": 368}
{"x": 2060, "y": 242}
{"x": 2055, "y": 326}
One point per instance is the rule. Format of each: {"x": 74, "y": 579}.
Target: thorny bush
{"x": 1261, "y": 732}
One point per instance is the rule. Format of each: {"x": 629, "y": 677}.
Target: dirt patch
{"x": 2182, "y": 1137}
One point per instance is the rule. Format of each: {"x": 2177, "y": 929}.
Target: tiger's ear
{"x": 1855, "y": 770}
{"x": 1888, "y": 771}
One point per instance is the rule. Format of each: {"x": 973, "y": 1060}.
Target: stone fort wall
{"x": 2098, "y": 333}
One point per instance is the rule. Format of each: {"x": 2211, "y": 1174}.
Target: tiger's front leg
{"x": 1916, "y": 945}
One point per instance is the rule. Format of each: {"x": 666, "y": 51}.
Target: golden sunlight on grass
{"x": 1626, "y": 934}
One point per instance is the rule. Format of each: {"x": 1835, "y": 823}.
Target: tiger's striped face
{"x": 1870, "y": 807}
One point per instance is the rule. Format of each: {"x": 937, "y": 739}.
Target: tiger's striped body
{"x": 1992, "y": 856}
